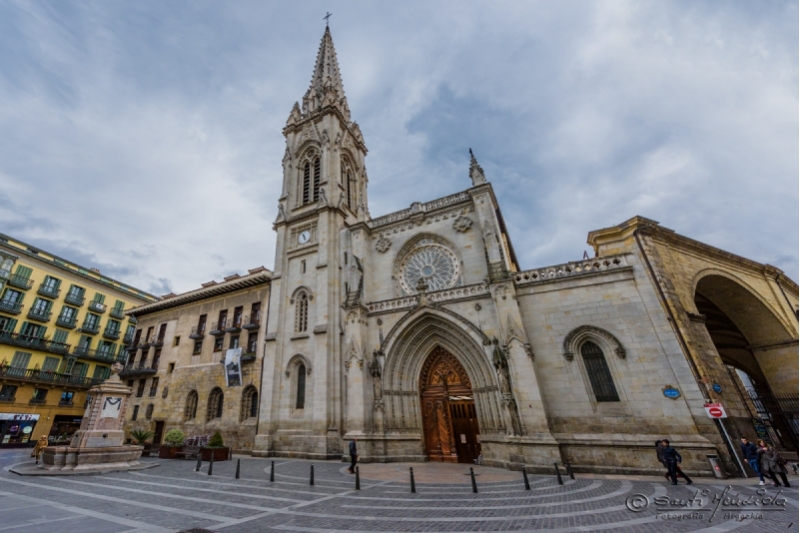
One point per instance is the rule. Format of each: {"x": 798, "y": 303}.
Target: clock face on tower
{"x": 304, "y": 237}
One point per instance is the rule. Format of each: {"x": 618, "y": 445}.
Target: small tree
{"x": 174, "y": 437}
{"x": 141, "y": 435}
{"x": 216, "y": 441}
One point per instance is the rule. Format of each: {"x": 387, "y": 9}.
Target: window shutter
{"x": 50, "y": 364}
{"x": 24, "y": 272}
{"x": 21, "y": 359}
{"x": 10, "y": 325}
{"x": 60, "y": 336}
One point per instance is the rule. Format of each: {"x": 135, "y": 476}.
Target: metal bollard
{"x": 474, "y": 485}
{"x": 199, "y": 462}
{"x": 311, "y": 481}
{"x": 358, "y": 480}
{"x": 238, "y": 464}
{"x": 569, "y": 470}
{"x": 558, "y": 474}
{"x": 413, "y": 486}
{"x": 525, "y": 479}
{"x": 211, "y": 464}
{"x": 272, "y": 471}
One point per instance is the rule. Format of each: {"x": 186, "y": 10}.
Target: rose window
{"x": 434, "y": 264}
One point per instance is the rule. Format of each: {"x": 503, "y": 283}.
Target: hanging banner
{"x": 233, "y": 367}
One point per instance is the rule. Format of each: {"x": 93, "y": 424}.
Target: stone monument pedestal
{"x": 97, "y": 445}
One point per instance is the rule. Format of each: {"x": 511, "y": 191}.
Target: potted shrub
{"x": 173, "y": 443}
{"x": 216, "y": 448}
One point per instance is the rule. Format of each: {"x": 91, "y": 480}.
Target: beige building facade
{"x": 175, "y": 363}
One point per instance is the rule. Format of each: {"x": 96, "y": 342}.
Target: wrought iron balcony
{"x": 90, "y": 328}
{"x": 38, "y": 401}
{"x": 112, "y": 334}
{"x": 117, "y": 313}
{"x": 40, "y": 315}
{"x": 97, "y": 307}
{"x": 218, "y": 328}
{"x": 157, "y": 340}
{"x": 7, "y": 306}
{"x": 133, "y": 320}
{"x": 66, "y": 321}
{"x": 198, "y": 332}
{"x": 234, "y": 325}
{"x": 5, "y": 274}
{"x": 252, "y": 321}
{"x": 139, "y": 369}
{"x": 100, "y": 354}
{"x": 74, "y": 298}
{"x": 20, "y": 282}
{"x": 65, "y": 403}
{"x": 45, "y": 376}
{"x": 49, "y": 291}
{"x": 128, "y": 339}
{"x": 36, "y": 343}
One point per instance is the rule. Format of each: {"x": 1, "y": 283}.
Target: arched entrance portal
{"x": 449, "y": 421}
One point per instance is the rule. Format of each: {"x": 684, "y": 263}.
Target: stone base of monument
{"x": 66, "y": 460}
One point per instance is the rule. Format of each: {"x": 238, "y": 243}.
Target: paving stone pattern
{"x": 175, "y": 498}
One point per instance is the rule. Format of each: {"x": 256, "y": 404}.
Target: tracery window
{"x": 249, "y": 403}
{"x": 215, "y": 401}
{"x": 301, "y": 312}
{"x": 432, "y": 263}
{"x": 311, "y": 181}
{"x": 190, "y": 412}
{"x": 599, "y": 374}
{"x": 300, "y": 400}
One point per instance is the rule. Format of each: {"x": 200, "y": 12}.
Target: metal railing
{"x": 252, "y": 321}
{"x": 128, "y": 339}
{"x": 46, "y": 376}
{"x": 20, "y": 282}
{"x": 66, "y": 321}
{"x": 118, "y": 312}
{"x": 219, "y": 327}
{"x": 97, "y": 307}
{"x": 5, "y": 274}
{"x": 51, "y": 291}
{"x": 112, "y": 334}
{"x": 42, "y": 315}
{"x": 90, "y": 328}
{"x": 10, "y": 307}
{"x": 99, "y": 354}
{"x": 74, "y": 298}
{"x": 29, "y": 341}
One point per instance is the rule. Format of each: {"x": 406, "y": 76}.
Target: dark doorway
{"x": 158, "y": 433}
{"x": 450, "y": 424}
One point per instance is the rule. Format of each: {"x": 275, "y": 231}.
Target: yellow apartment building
{"x": 62, "y": 326}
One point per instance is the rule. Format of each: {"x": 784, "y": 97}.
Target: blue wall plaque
{"x": 671, "y": 392}
{"x": 717, "y": 387}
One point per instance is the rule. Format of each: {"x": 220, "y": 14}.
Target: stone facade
{"x": 187, "y": 374}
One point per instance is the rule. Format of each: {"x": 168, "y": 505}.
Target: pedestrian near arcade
{"x": 353, "y": 448}
{"x": 772, "y": 463}
{"x": 662, "y": 459}
{"x": 673, "y": 458}
{"x": 750, "y": 454}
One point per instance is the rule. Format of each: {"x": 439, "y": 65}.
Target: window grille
{"x": 599, "y": 374}
{"x": 301, "y": 318}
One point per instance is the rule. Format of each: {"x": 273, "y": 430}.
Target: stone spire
{"x": 475, "y": 171}
{"x": 326, "y": 83}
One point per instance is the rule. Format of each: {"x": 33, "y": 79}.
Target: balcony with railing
{"x": 39, "y": 314}
{"x": 103, "y": 355}
{"x": 198, "y": 332}
{"x": 50, "y": 291}
{"x": 128, "y": 339}
{"x": 66, "y": 321}
{"x": 157, "y": 340}
{"x": 234, "y": 325}
{"x": 36, "y": 343}
{"x": 65, "y": 403}
{"x": 218, "y": 328}
{"x": 138, "y": 369}
{"x": 11, "y": 373}
{"x": 97, "y": 307}
{"x": 38, "y": 401}
{"x": 7, "y": 306}
{"x": 90, "y": 328}
{"x": 4, "y": 274}
{"x": 252, "y": 321}
{"x": 74, "y": 298}
{"x": 20, "y": 282}
{"x": 117, "y": 312}
{"x": 111, "y": 333}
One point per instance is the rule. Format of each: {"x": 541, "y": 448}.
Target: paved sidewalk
{"x": 174, "y": 497}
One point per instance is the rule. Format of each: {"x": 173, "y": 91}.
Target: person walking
{"x": 353, "y": 448}
{"x": 38, "y": 450}
{"x": 750, "y": 454}
{"x": 672, "y": 458}
{"x": 663, "y": 461}
{"x": 772, "y": 463}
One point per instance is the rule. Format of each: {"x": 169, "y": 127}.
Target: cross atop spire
{"x": 326, "y": 82}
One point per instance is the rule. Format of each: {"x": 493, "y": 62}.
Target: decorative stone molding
{"x": 383, "y": 245}
{"x": 420, "y": 207}
{"x": 571, "y": 269}
{"x": 453, "y": 314}
{"x": 462, "y": 224}
{"x": 295, "y": 361}
{"x": 575, "y": 337}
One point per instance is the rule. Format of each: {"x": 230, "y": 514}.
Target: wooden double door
{"x": 450, "y": 423}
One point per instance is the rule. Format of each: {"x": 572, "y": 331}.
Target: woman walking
{"x": 772, "y": 463}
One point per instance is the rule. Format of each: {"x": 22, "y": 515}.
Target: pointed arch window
{"x": 301, "y": 312}
{"x": 249, "y": 403}
{"x": 316, "y": 179}
{"x": 215, "y": 401}
{"x": 300, "y": 400}
{"x": 307, "y": 183}
{"x": 190, "y": 412}
{"x": 599, "y": 374}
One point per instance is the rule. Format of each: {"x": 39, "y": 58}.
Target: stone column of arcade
{"x": 97, "y": 445}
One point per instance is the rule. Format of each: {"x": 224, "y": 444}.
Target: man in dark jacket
{"x": 353, "y": 456}
{"x": 672, "y": 458}
{"x": 750, "y": 454}
{"x": 663, "y": 461}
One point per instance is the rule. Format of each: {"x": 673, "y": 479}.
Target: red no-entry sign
{"x": 715, "y": 410}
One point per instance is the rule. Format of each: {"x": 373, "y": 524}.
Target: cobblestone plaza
{"x": 173, "y": 497}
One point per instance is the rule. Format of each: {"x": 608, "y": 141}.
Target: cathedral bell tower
{"x": 324, "y": 191}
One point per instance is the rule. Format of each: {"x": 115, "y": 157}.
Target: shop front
{"x": 64, "y": 426}
{"x": 16, "y": 429}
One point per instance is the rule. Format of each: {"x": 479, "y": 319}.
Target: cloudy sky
{"x": 144, "y": 137}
